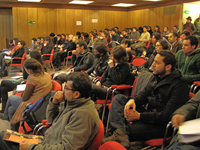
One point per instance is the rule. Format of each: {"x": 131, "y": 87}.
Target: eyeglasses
{"x": 65, "y": 88}
{"x": 158, "y": 45}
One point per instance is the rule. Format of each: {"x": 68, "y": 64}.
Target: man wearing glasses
{"x": 74, "y": 126}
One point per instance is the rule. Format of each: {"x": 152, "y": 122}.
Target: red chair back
{"x": 56, "y": 86}
{"x": 51, "y": 56}
{"x": 23, "y": 59}
{"x": 111, "y": 145}
{"x": 138, "y": 61}
{"x": 98, "y": 138}
{"x": 134, "y": 84}
{"x": 147, "y": 45}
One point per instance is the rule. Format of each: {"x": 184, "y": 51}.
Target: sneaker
{"x": 120, "y": 137}
{"x": 1, "y": 116}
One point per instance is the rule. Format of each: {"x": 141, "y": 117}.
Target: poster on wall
{"x": 94, "y": 20}
{"x": 78, "y": 23}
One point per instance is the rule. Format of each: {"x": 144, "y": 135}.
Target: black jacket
{"x": 119, "y": 74}
{"x": 191, "y": 110}
{"x": 149, "y": 61}
{"x": 46, "y": 50}
{"x": 99, "y": 66}
{"x": 82, "y": 61}
{"x": 150, "y": 50}
{"x": 19, "y": 52}
{"x": 163, "y": 97}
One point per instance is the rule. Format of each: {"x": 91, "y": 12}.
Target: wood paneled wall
{"x": 6, "y": 29}
{"x": 62, "y": 21}
{"x": 152, "y": 17}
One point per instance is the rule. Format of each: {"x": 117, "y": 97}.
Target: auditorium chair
{"x": 50, "y": 60}
{"x": 111, "y": 145}
{"x": 18, "y": 64}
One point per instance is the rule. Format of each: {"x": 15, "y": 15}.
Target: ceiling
{"x": 97, "y": 3}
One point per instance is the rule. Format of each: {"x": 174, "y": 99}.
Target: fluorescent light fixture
{"x": 152, "y": 0}
{"x": 123, "y": 5}
{"x": 29, "y": 0}
{"x": 81, "y": 2}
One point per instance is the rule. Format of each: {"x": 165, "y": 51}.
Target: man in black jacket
{"x": 46, "y": 48}
{"x": 81, "y": 58}
{"x": 150, "y": 109}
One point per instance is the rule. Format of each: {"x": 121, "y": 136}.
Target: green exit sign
{"x": 187, "y": 12}
{"x": 31, "y": 22}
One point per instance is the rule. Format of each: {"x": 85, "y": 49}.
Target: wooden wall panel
{"x": 52, "y": 21}
{"x": 70, "y": 21}
{"x": 6, "y": 27}
{"x": 32, "y": 28}
{"x": 61, "y": 21}
{"x": 152, "y": 17}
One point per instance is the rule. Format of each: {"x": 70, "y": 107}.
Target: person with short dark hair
{"x": 176, "y": 29}
{"x": 124, "y": 35}
{"x": 126, "y": 43}
{"x": 63, "y": 37}
{"x": 161, "y": 44}
{"x": 150, "y": 109}
{"x": 117, "y": 72}
{"x": 53, "y": 38}
{"x": 189, "y": 26}
{"x": 115, "y": 38}
{"x": 59, "y": 41}
{"x": 184, "y": 34}
{"x": 155, "y": 37}
{"x": 175, "y": 44}
{"x": 145, "y": 35}
{"x": 46, "y": 47}
{"x": 34, "y": 43}
{"x": 188, "y": 62}
{"x": 117, "y": 30}
{"x": 165, "y": 32}
{"x": 73, "y": 116}
{"x": 82, "y": 59}
{"x": 135, "y": 35}
{"x": 157, "y": 29}
{"x": 101, "y": 60}
{"x": 150, "y": 30}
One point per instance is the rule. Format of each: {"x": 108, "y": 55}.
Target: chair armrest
{"x": 47, "y": 54}
{"x": 71, "y": 67}
{"x": 18, "y": 58}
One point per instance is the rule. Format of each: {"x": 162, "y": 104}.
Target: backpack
{"x": 35, "y": 113}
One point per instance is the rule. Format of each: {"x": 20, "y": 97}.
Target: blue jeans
{"x": 11, "y": 106}
{"x": 137, "y": 130}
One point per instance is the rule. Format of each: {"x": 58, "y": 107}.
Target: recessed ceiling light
{"x": 29, "y": 0}
{"x": 123, "y": 5}
{"x": 81, "y": 2}
{"x": 152, "y": 0}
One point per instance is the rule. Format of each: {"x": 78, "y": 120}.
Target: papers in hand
{"x": 21, "y": 87}
{"x": 17, "y": 77}
{"x": 7, "y": 57}
{"x": 18, "y": 137}
{"x": 189, "y": 131}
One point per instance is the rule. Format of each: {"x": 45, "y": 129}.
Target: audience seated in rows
{"x": 150, "y": 109}
{"x": 184, "y": 34}
{"x": 188, "y": 62}
{"x": 38, "y": 84}
{"x": 74, "y": 126}
{"x": 135, "y": 35}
